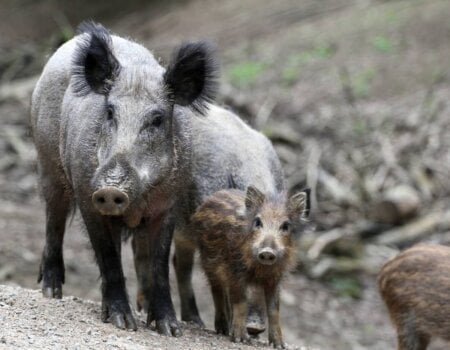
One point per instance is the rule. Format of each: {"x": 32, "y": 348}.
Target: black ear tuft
{"x": 94, "y": 66}
{"x": 91, "y": 27}
{"x": 192, "y": 75}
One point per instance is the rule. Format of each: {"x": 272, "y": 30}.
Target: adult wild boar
{"x": 222, "y": 145}
{"x": 112, "y": 133}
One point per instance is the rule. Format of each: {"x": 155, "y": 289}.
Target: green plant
{"x": 290, "y": 75}
{"x": 245, "y": 74}
{"x": 383, "y": 44}
{"x": 346, "y": 286}
{"x": 362, "y": 81}
{"x": 295, "y": 62}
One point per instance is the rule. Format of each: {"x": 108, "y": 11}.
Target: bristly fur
{"x": 91, "y": 27}
{"x": 414, "y": 286}
{"x": 94, "y": 66}
{"x": 193, "y": 71}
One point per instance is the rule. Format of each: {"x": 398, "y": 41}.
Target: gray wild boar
{"x": 222, "y": 144}
{"x": 112, "y": 128}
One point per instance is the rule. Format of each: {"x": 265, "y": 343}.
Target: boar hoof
{"x": 221, "y": 326}
{"x": 195, "y": 320}
{"x": 52, "y": 280}
{"x": 52, "y": 292}
{"x": 168, "y": 325}
{"x": 243, "y": 337}
{"x": 277, "y": 344}
{"x": 119, "y": 314}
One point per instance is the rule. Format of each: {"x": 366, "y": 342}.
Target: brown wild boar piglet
{"x": 247, "y": 239}
{"x": 415, "y": 286}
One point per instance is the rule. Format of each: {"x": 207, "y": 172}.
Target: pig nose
{"x": 110, "y": 201}
{"x": 267, "y": 256}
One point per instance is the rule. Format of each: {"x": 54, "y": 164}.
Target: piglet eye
{"x": 257, "y": 223}
{"x": 285, "y": 226}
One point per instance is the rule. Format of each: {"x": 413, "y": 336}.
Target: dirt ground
{"x": 32, "y": 322}
{"x": 333, "y": 80}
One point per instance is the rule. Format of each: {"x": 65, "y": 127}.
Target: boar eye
{"x": 257, "y": 223}
{"x": 157, "y": 121}
{"x": 285, "y": 226}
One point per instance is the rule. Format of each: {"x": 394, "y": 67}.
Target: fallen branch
{"x": 416, "y": 230}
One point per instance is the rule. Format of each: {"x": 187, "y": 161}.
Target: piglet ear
{"x": 191, "y": 77}
{"x": 254, "y": 198}
{"x": 94, "y": 65}
{"x": 299, "y": 205}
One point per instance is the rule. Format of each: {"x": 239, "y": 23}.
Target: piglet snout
{"x": 267, "y": 256}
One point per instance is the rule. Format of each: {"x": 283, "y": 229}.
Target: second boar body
{"x": 415, "y": 287}
{"x": 222, "y": 145}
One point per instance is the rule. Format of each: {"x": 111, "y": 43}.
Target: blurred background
{"x": 354, "y": 94}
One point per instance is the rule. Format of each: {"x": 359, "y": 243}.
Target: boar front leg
{"x": 273, "y": 310}
{"x": 239, "y": 309}
{"x": 51, "y": 271}
{"x": 222, "y": 312}
{"x": 105, "y": 236}
{"x": 161, "y": 308}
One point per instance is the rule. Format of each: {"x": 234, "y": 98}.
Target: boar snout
{"x": 267, "y": 256}
{"x": 110, "y": 200}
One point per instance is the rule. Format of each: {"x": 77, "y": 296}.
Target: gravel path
{"x": 29, "y": 321}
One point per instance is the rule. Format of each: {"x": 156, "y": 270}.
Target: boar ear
{"x": 94, "y": 65}
{"x": 254, "y": 198}
{"x": 299, "y": 205}
{"x": 191, "y": 77}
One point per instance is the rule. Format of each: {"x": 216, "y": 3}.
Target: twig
{"x": 340, "y": 193}
{"x": 312, "y": 172}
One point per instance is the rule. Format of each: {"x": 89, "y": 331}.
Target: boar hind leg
{"x": 51, "y": 271}
{"x": 142, "y": 264}
{"x": 273, "y": 310}
{"x": 256, "y": 323}
{"x": 105, "y": 237}
{"x": 183, "y": 263}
